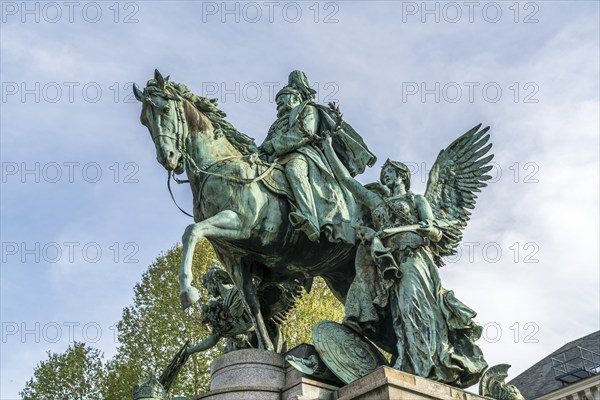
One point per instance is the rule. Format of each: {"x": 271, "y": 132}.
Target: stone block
{"x": 389, "y": 384}
{"x": 305, "y": 388}
{"x": 241, "y": 393}
{"x": 248, "y": 368}
{"x": 254, "y": 374}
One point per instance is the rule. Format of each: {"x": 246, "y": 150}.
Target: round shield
{"x": 345, "y": 352}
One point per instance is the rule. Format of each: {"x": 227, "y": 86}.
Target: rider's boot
{"x": 303, "y": 224}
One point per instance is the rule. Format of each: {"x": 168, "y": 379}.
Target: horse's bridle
{"x": 180, "y": 137}
{"x": 189, "y": 164}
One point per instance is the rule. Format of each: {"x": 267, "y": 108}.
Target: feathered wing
{"x": 457, "y": 174}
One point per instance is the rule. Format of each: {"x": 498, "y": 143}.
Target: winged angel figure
{"x": 397, "y": 299}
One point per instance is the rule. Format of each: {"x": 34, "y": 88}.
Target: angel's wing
{"x": 457, "y": 174}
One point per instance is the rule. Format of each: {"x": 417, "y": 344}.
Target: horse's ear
{"x": 138, "y": 93}
{"x": 167, "y": 78}
{"x": 159, "y": 79}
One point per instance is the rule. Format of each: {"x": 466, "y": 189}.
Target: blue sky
{"x": 408, "y": 83}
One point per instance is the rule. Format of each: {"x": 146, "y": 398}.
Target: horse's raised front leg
{"x": 226, "y": 224}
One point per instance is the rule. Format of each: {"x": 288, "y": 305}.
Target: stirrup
{"x": 301, "y": 223}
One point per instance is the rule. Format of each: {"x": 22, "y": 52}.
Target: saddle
{"x": 275, "y": 180}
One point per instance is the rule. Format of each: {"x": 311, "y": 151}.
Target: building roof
{"x": 540, "y": 378}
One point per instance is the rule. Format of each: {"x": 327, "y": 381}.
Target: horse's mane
{"x": 242, "y": 142}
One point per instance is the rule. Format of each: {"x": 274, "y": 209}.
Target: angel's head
{"x": 394, "y": 173}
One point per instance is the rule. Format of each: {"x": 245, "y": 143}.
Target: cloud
{"x": 368, "y": 57}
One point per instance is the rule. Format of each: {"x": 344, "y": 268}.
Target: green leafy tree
{"x": 76, "y": 374}
{"x": 318, "y": 305}
{"x": 154, "y": 328}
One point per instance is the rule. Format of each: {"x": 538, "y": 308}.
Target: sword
{"x": 399, "y": 229}
{"x": 413, "y": 228}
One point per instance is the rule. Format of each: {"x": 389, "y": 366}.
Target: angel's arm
{"x": 362, "y": 194}
{"x": 426, "y": 218}
{"x": 205, "y": 344}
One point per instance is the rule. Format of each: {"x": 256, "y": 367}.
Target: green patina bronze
{"x": 347, "y": 354}
{"x": 492, "y": 384}
{"x": 247, "y": 204}
{"x": 227, "y": 316}
{"x": 153, "y": 388}
{"x": 397, "y": 287}
{"x": 287, "y": 211}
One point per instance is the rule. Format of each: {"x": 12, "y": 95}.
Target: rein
{"x": 180, "y": 137}
{"x": 173, "y": 197}
{"x": 243, "y": 181}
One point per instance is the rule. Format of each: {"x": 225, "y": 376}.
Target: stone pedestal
{"x": 389, "y": 384}
{"x": 249, "y": 374}
{"x": 254, "y": 374}
{"x": 299, "y": 386}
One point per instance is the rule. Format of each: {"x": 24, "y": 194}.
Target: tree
{"x": 318, "y": 305}
{"x": 154, "y": 328}
{"x": 76, "y": 374}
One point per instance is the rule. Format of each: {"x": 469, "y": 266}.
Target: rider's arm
{"x": 267, "y": 146}
{"x": 301, "y": 132}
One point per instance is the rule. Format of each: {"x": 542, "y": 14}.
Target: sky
{"x": 84, "y": 205}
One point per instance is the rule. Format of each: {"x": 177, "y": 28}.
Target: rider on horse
{"x": 293, "y": 140}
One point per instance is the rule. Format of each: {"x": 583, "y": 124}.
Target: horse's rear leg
{"x": 227, "y": 225}
{"x": 242, "y": 278}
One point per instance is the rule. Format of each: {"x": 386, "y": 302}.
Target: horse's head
{"x": 164, "y": 119}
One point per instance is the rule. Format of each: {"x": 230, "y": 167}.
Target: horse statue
{"x": 239, "y": 204}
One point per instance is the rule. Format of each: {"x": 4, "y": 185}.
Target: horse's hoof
{"x": 188, "y": 297}
{"x": 269, "y": 347}
{"x": 264, "y": 345}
